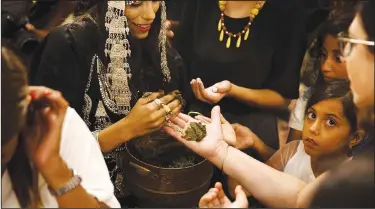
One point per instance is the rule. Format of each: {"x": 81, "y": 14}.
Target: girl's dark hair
{"x": 336, "y": 90}
{"x": 365, "y": 10}
{"x": 13, "y": 92}
{"x": 339, "y": 21}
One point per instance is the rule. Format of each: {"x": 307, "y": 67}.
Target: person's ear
{"x": 357, "y": 137}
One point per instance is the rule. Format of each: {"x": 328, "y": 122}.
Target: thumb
{"x": 220, "y": 87}
{"x": 222, "y": 119}
{"x": 241, "y": 198}
{"x": 235, "y": 126}
{"x": 215, "y": 116}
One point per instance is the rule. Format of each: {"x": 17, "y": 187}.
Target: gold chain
{"x": 245, "y": 31}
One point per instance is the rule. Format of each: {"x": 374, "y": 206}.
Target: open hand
{"x": 212, "y": 94}
{"x": 245, "y": 138}
{"x": 216, "y": 198}
{"x": 228, "y": 131}
{"x": 211, "y": 146}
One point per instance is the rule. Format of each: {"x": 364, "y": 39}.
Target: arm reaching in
{"x": 270, "y": 186}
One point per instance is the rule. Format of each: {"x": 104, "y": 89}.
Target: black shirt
{"x": 270, "y": 59}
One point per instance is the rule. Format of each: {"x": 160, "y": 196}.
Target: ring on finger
{"x": 167, "y": 109}
{"x": 158, "y": 102}
{"x": 167, "y": 118}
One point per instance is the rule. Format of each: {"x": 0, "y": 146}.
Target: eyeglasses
{"x": 346, "y": 44}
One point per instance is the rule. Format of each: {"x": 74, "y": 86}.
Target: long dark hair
{"x": 339, "y": 21}
{"x": 336, "y": 90}
{"x": 13, "y": 82}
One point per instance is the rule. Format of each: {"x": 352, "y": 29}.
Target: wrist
{"x": 56, "y": 173}
{"x": 219, "y": 155}
{"x": 258, "y": 144}
{"x": 232, "y": 89}
{"x": 127, "y": 130}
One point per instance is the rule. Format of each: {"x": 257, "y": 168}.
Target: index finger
{"x": 167, "y": 98}
{"x": 185, "y": 118}
{"x": 151, "y": 97}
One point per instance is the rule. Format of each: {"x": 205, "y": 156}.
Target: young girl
{"x": 323, "y": 64}
{"x": 329, "y": 133}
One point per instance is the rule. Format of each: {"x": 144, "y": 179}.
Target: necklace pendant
{"x": 247, "y": 34}
{"x": 221, "y": 35}
{"x": 222, "y": 5}
{"x": 219, "y": 26}
{"x": 255, "y": 11}
{"x": 238, "y": 44}
{"x": 228, "y": 42}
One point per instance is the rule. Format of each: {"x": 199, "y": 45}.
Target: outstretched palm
{"x": 208, "y": 146}
{"x": 212, "y": 94}
{"x": 216, "y": 198}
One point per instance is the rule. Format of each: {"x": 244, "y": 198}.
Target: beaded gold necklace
{"x": 223, "y": 29}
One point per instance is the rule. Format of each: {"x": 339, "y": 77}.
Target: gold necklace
{"x": 223, "y": 29}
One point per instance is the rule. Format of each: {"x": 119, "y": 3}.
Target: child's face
{"x": 332, "y": 66}
{"x": 326, "y": 130}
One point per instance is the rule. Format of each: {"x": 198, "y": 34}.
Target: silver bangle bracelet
{"x": 73, "y": 183}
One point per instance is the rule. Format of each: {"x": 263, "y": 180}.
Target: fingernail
{"x": 47, "y": 93}
{"x": 214, "y": 89}
{"x": 33, "y": 94}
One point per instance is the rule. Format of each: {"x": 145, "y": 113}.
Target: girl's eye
{"x": 311, "y": 115}
{"x": 331, "y": 122}
{"x": 337, "y": 56}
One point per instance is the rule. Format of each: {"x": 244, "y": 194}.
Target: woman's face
{"x": 326, "y": 130}
{"x": 360, "y": 66}
{"x": 141, "y": 15}
{"x": 332, "y": 66}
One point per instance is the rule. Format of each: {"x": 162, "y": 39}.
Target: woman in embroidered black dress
{"x": 73, "y": 60}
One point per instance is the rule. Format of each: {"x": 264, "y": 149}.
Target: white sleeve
{"x": 82, "y": 153}
{"x": 297, "y": 116}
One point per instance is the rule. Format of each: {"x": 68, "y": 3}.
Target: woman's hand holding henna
{"x": 148, "y": 116}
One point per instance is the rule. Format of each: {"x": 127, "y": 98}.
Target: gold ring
{"x": 158, "y": 102}
{"x": 167, "y": 118}
{"x": 167, "y": 109}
